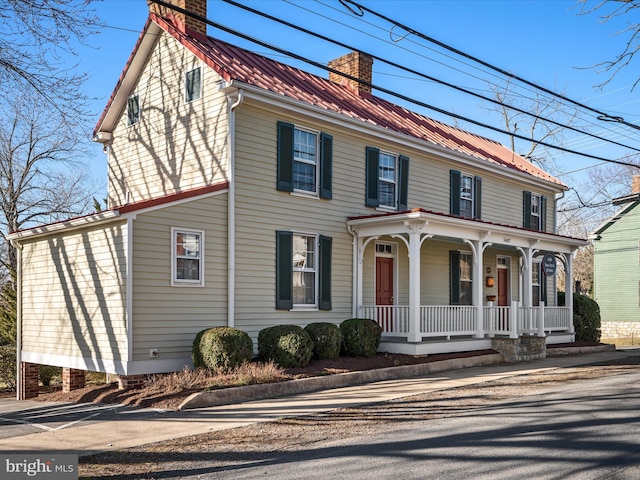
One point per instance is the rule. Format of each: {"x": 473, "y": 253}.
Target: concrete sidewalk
{"x": 100, "y": 427}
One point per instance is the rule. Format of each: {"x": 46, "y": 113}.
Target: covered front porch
{"x": 438, "y": 283}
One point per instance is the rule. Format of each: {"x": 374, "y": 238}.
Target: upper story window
{"x": 133, "y": 110}
{"x": 193, "y": 85}
{"x": 387, "y": 178}
{"x": 534, "y": 211}
{"x": 303, "y": 271}
{"x": 465, "y": 195}
{"x": 187, "y": 259}
{"x": 305, "y": 161}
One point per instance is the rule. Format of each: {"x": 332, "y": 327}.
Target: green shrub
{"x": 8, "y": 366}
{"x": 586, "y": 317}
{"x": 589, "y": 311}
{"x": 221, "y": 348}
{"x": 46, "y": 373}
{"x": 287, "y": 345}
{"x": 360, "y": 337}
{"x": 327, "y": 339}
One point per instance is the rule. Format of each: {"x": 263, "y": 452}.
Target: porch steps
{"x": 523, "y": 349}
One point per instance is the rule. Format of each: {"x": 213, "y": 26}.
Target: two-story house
{"x": 616, "y": 267}
{"x": 248, "y": 193}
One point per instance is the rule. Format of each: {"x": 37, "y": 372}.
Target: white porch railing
{"x": 458, "y": 320}
{"x": 448, "y": 320}
{"x": 394, "y": 319}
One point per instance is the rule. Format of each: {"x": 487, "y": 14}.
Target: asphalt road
{"x": 585, "y": 430}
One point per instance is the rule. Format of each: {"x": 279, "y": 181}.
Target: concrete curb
{"x": 562, "y": 351}
{"x": 228, "y": 396}
{"x": 233, "y": 395}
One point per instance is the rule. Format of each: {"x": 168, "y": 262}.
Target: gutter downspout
{"x": 18, "y": 247}
{"x": 231, "y": 215}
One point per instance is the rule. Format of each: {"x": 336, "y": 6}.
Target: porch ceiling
{"x": 449, "y": 226}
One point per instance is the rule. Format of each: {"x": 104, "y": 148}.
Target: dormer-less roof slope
{"x": 240, "y": 65}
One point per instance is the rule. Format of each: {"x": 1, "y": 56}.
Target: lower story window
{"x": 187, "y": 259}
{"x": 461, "y": 278}
{"x": 304, "y": 270}
{"x": 535, "y": 284}
{"x": 466, "y": 284}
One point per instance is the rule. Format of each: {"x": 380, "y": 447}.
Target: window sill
{"x": 302, "y": 193}
{"x": 304, "y": 309}
{"x": 386, "y": 209}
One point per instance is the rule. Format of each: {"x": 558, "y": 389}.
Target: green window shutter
{"x": 285, "y": 157}
{"x": 326, "y": 165}
{"x": 324, "y": 282}
{"x": 403, "y": 182}
{"x": 284, "y": 270}
{"x": 543, "y": 214}
{"x": 454, "y": 194}
{"x": 526, "y": 209}
{"x": 373, "y": 165}
{"x": 454, "y": 268}
{"x": 477, "y": 197}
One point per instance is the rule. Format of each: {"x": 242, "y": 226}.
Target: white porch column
{"x": 568, "y": 288}
{"x": 414, "y": 244}
{"x": 527, "y": 285}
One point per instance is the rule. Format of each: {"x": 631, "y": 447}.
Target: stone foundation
{"x": 126, "y": 382}
{"x": 72, "y": 379}
{"x": 29, "y": 380}
{"x": 521, "y": 349}
{"x": 613, "y": 330}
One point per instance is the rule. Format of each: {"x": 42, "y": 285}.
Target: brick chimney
{"x": 356, "y": 64}
{"x": 199, "y": 7}
{"x": 635, "y": 184}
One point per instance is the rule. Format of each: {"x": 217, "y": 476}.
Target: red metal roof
{"x": 234, "y": 63}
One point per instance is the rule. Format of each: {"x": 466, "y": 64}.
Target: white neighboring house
{"x": 248, "y": 193}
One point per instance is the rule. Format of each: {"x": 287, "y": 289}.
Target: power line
{"x": 374, "y": 86}
{"x": 601, "y": 115}
{"x": 420, "y": 74}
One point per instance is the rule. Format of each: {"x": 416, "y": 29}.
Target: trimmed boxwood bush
{"x": 360, "y": 337}
{"x": 586, "y": 317}
{"x": 221, "y": 348}
{"x": 327, "y": 339}
{"x": 286, "y": 345}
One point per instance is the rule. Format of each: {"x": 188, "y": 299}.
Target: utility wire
{"x": 371, "y": 85}
{"x": 420, "y": 74}
{"x": 601, "y": 115}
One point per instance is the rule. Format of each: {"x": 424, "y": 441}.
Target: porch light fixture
{"x": 491, "y": 281}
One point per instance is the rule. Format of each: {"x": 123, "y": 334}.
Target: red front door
{"x": 384, "y": 292}
{"x": 503, "y": 287}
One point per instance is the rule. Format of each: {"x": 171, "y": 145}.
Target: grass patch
{"x": 248, "y": 373}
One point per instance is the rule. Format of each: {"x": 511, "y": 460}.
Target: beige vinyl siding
{"x": 262, "y": 210}
{"x": 168, "y": 317}
{"x": 73, "y": 289}
{"x": 176, "y": 146}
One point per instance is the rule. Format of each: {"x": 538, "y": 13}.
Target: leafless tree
{"x": 545, "y": 120}
{"x": 37, "y": 40}
{"x": 41, "y": 178}
{"x": 610, "y": 10}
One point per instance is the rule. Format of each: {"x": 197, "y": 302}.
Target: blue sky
{"x": 544, "y": 41}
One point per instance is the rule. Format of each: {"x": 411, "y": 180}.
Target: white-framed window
{"x": 466, "y": 196}
{"x": 387, "y": 180}
{"x": 466, "y": 278}
{"x": 193, "y": 85}
{"x": 535, "y": 281}
{"x": 536, "y": 209}
{"x": 133, "y": 109}
{"x": 305, "y": 160}
{"x": 187, "y": 247}
{"x": 304, "y": 270}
